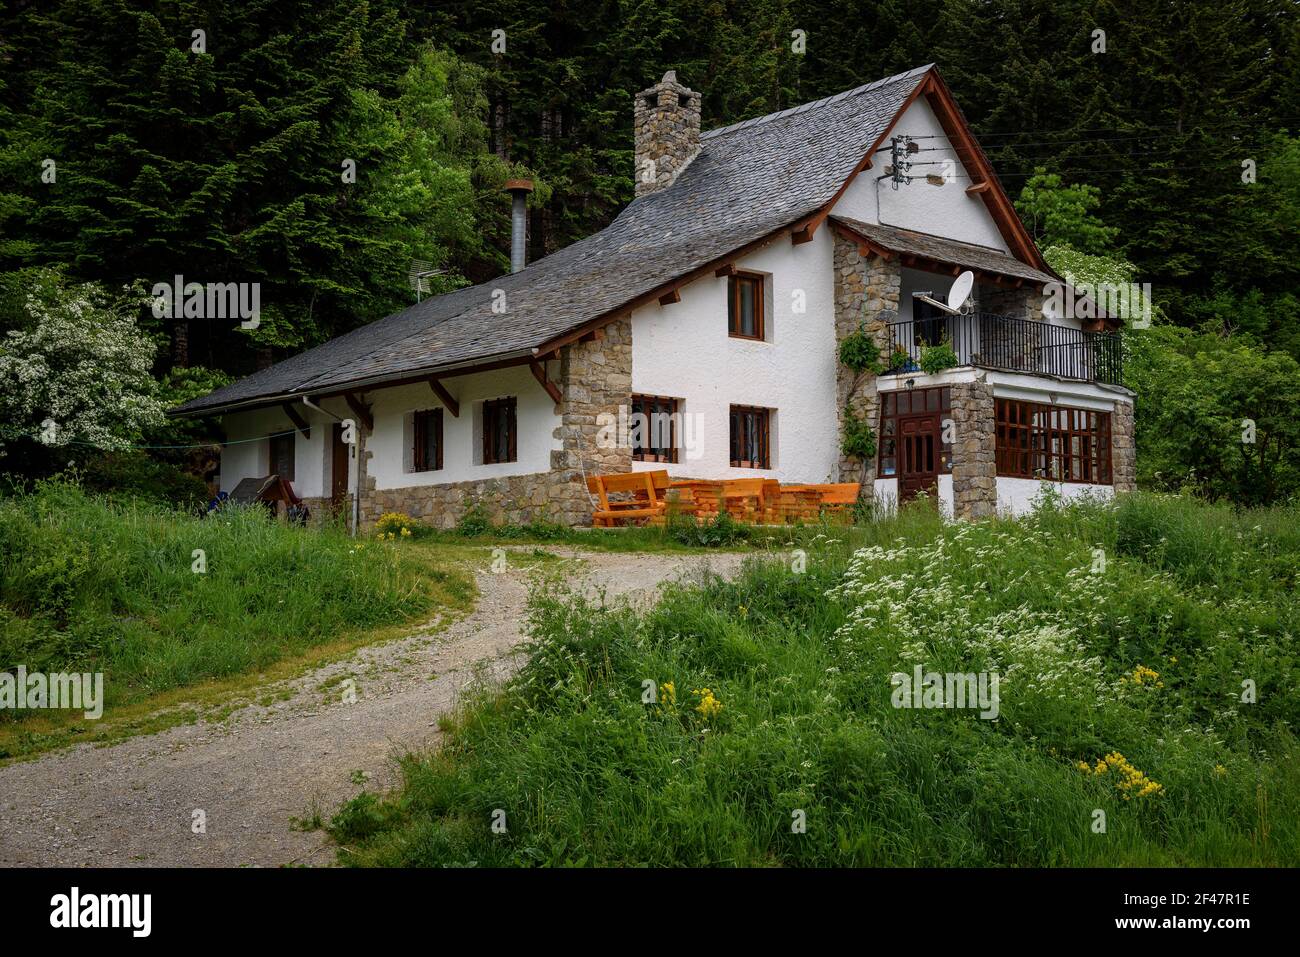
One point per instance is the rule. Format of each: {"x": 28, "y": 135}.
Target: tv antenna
{"x": 418, "y": 277}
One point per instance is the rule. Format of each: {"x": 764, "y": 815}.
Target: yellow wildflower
{"x": 709, "y": 706}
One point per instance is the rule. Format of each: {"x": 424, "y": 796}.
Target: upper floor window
{"x": 745, "y": 305}
{"x": 751, "y": 437}
{"x": 499, "y": 431}
{"x": 282, "y": 455}
{"x": 652, "y": 430}
{"x": 426, "y": 452}
{"x": 1040, "y": 441}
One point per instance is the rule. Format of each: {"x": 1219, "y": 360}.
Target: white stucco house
{"x": 717, "y": 301}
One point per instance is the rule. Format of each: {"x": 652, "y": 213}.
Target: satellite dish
{"x": 960, "y": 291}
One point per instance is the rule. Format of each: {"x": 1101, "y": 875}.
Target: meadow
{"x": 1148, "y": 680}
{"x": 171, "y": 608}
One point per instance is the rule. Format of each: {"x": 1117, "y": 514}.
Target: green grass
{"x": 585, "y": 773}
{"x": 91, "y": 586}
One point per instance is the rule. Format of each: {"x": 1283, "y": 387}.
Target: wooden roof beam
{"x": 298, "y": 421}
{"x": 445, "y": 397}
{"x": 360, "y": 410}
{"x": 539, "y": 373}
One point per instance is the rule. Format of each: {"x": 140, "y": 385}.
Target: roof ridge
{"x": 790, "y": 111}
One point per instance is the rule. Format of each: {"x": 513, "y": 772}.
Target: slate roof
{"x": 949, "y": 251}
{"x": 748, "y": 180}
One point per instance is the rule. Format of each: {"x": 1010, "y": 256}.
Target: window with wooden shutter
{"x": 750, "y": 437}
{"x": 499, "y": 431}
{"x": 745, "y": 305}
{"x": 282, "y": 456}
{"x": 426, "y": 454}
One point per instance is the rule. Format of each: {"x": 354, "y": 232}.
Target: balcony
{"x": 1010, "y": 345}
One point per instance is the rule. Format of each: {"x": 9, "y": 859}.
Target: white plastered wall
{"x": 535, "y": 419}
{"x": 946, "y": 210}
{"x": 683, "y": 351}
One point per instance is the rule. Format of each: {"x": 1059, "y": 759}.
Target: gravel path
{"x": 134, "y": 803}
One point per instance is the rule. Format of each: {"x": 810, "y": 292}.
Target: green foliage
{"x": 86, "y": 585}
{"x": 859, "y": 352}
{"x": 228, "y": 165}
{"x": 74, "y": 371}
{"x": 721, "y": 531}
{"x": 801, "y": 663}
{"x": 474, "y": 522}
{"x": 122, "y": 476}
{"x": 937, "y": 358}
{"x": 858, "y": 440}
{"x": 1064, "y": 215}
{"x": 1199, "y": 395}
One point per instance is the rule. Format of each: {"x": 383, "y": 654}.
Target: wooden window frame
{"x": 421, "y": 422}
{"x": 289, "y": 441}
{"x": 1053, "y": 443}
{"x": 734, "y": 283}
{"x": 649, "y": 405}
{"x": 889, "y": 431}
{"x": 764, "y": 461}
{"x": 493, "y": 409}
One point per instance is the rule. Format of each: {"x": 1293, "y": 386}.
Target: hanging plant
{"x": 859, "y": 440}
{"x": 859, "y": 352}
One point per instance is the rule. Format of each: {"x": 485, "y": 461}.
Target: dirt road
{"x": 135, "y": 803}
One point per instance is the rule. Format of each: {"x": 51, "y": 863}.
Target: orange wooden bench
{"x": 642, "y": 497}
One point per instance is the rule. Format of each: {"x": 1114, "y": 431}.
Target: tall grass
{"x": 1075, "y": 608}
{"x": 90, "y": 586}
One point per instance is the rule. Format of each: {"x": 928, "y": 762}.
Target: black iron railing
{"x": 1006, "y": 343}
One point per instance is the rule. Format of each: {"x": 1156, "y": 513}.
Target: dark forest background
{"x": 221, "y": 160}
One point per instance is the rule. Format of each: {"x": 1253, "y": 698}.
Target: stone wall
{"x": 866, "y": 297}
{"x": 1123, "y": 452}
{"x": 595, "y": 379}
{"x": 974, "y": 447}
{"x": 1023, "y": 303}
{"x": 666, "y": 134}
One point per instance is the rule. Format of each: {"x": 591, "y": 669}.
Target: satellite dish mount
{"x": 958, "y": 294}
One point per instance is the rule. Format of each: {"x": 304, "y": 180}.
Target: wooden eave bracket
{"x": 539, "y": 373}
{"x": 977, "y": 187}
{"x": 445, "y": 397}
{"x": 670, "y": 297}
{"x": 726, "y": 269}
{"x": 360, "y": 410}
{"x": 298, "y": 421}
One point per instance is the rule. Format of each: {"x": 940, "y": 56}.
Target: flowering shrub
{"x": 394, "y": 525}
{"x": 76, "y": 372}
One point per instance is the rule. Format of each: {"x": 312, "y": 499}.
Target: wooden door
{"x": 919, "y": 449}
{"x": 339, "y": 459}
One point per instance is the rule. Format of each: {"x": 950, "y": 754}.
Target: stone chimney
{"x": 667, "y": 126}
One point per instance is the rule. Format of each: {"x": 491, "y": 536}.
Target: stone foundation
{"x": 974, "y": 448}
{"x": 515, "y": 499}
